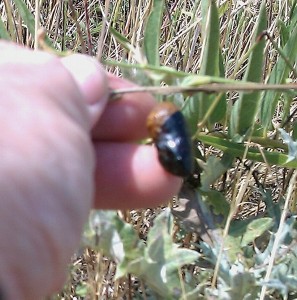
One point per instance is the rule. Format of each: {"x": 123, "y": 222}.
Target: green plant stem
{"x": 209, "y": 88}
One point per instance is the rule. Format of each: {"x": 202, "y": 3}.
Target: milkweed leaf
{"x": 245, "y": 110}
{"x": 152, "y": 33}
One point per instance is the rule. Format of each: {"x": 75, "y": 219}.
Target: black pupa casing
{"x": 174, "y": 146}
{"x": 168, "y": 128}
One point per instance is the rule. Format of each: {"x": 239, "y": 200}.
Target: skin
{"x": 65, "y": 149}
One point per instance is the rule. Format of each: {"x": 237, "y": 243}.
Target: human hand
{"x": 51, "y": 110}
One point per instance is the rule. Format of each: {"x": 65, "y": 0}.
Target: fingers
{"x": 124, "y": 119}
{"x": 10, "y": 54}
{"x": 87, "y": 82}
{"x": 43, "y": 82}
{"x": 130, "y": 176}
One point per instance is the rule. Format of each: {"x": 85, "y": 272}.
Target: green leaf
{"x": 214, "y": 105}
{"x": 245, "y": 110}
{"x": 26, "y": 15}
{"x": 243, "y": 285}
{"x": 214, "y": 169}
{"x": 287, "y": 99}
{"x": 112, "y": 236}
{"x": 163, "y": 259}
{"x": 3, "y": 32}
{"x": 279, "y": 74}
{"x": 109, "y": 234}
{"x": 273, "y": 209}
{"x": 284, "y": 32}
{"x": 122, "y": 40}
{"x": 81, "y": 290}
{"x": 293, "y": 16}
{"x": 29, "y": 21}
{"x": 255, "y": 229}
{"x": 273, "y": 158}
{"x": 210, "y": 58}
{"x": 152, "y": 33}
{"x": 291, "y": 144}
{"x": 204, "y": 107}
{"x": 216, "y": 203}
{"x": 243, "y": 232}
{"x": 157, "y": 264}
{"x": 204, "y": 12}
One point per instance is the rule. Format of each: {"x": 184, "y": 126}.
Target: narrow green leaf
{"x": 210, "y": 58}
{"x": 152, "y": 33}
{"x": 246, "y": 108}
{"x": 293, "y": 16}
{"x": 26, "y": 15}
{"x": 121, "y": 39}
{"x": 211, "y": 65}
{"x": 284, "y": 32}
{"x": 279, "y": 74}
{"x": 3, "y": 32}
{"x": 202, "y": 104}
{"x": 204, "y": 11}
{"x": 273, "y": 158}
{"x": 29, "y": 21}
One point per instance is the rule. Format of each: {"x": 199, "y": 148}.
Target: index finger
{"x": 125, "y": 118}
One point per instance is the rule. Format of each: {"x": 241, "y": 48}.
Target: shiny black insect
{"x": 168, "y": 129}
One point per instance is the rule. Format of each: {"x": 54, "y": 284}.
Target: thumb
{"x": 92, "y": 81}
